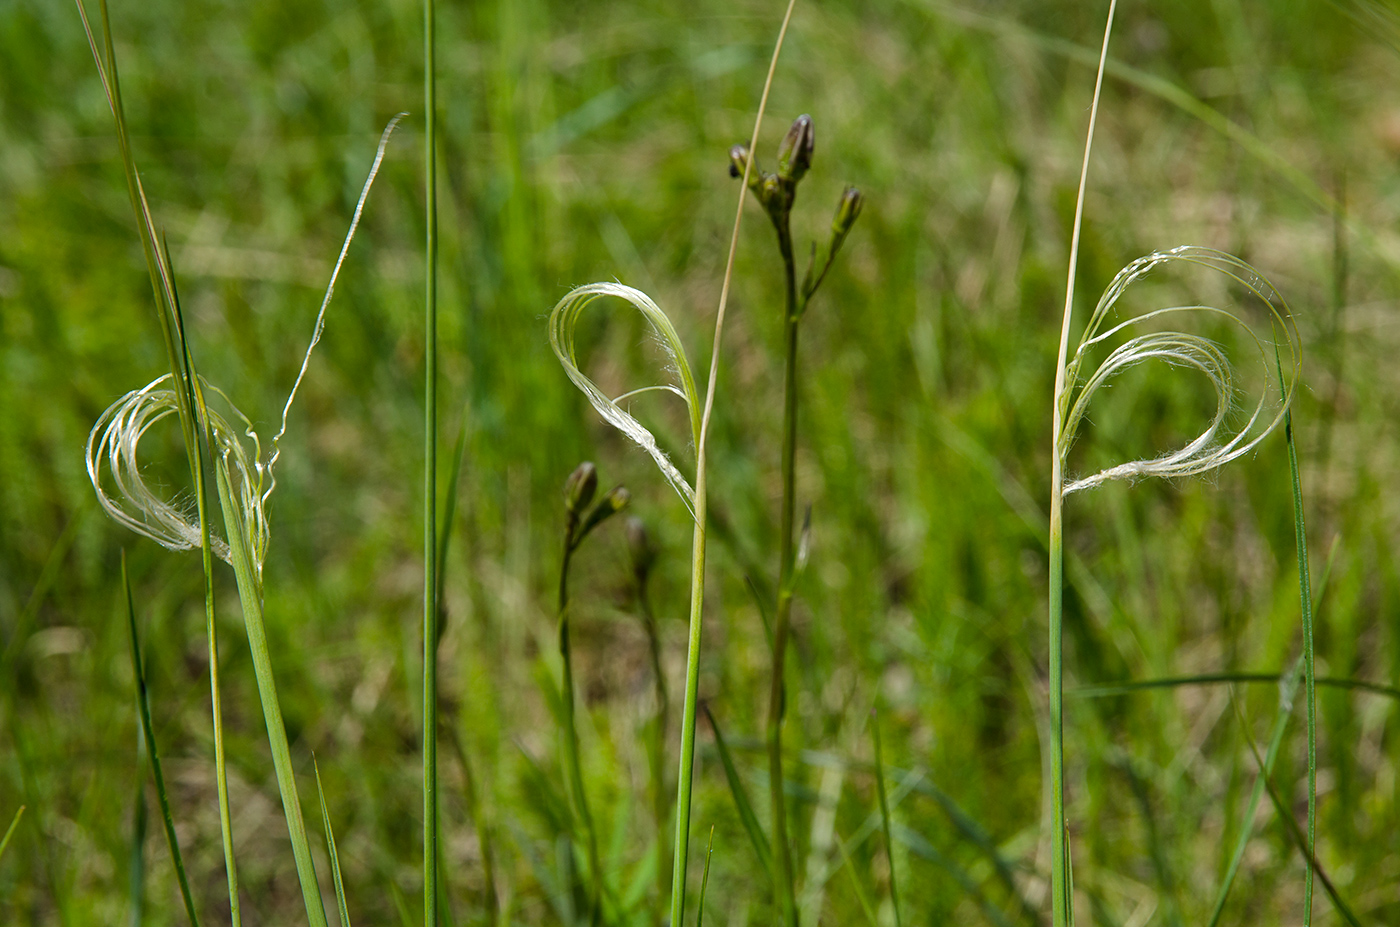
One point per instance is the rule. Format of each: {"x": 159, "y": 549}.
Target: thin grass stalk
{"x": 10, "y": 831}
{"x": 144, "y": 710}
{"x": 430, "y": 566}
{"x": 1297, "y": 836}
{"x": 483, "y": 830}
{"x": 250, "y": 597}
{"x": 1062, "y": 901}
{"x": 196, "y": 438}
{"x": 862, "y": 896}
{"x": 686, "y": 764}
{"x": 200, "y": 476}
{"x": 785, "y": 894}
{"x": 1309, "y": 669}
{"x": 137, "y": 872}
{"x": 330, "y": 849}
{"x": 885, "y": 816}
{"x": 656, "y": 760}
{"x": 705, "y": 880}
{"x": 573, "y": 767}
{"x": 1206, "y": 679}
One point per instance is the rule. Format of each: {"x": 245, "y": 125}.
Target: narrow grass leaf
{"x": 741, "y": 800}
{"x": 10, "y": 831}
{"x": 862, "y": 896}
{"x": 144, "y": 710}
{"x": 330, "y": 848}
{"x": 705, "y": 881}
{"x": 885, "y": 815}
{"x": 1295, "y": 834}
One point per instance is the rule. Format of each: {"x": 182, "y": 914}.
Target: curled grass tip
{"x": 1220, "y": 441}
{"x": 114, "y": 443}
{"x": 563, "y": 323}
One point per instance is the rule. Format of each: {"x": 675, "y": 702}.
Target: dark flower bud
{"x": 641, "y": 547}
{"x": 615, "y": 501}
{"x": 846, "y": 212}
{"x": 580, "y": 487}
{"x": 795, "y": 153}
{"x": 738, "y": 158}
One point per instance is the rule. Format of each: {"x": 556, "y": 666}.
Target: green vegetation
{"x": 1216, "y": 724}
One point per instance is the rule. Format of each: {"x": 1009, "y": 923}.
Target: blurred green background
{"x": 586, "y": 141}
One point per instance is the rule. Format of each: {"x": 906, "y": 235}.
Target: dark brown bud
{"x": 580, "y": 487}
{"x": 847, "y": 211}
{"x": 738, "y": 158}
{"x": 795, "y": 153}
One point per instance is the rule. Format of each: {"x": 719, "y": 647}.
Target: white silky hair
{"x": 563, "y": 322}
{"x": 116, "y": 437}
{"x": 1218, "y": 443}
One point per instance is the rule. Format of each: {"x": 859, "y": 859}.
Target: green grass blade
{"x": 686, "y": 760}
{"x": 330, "y": 849}
{"x": 144, "y": 710}
{"x": 430, "y": 565}
{"x": 10, "y": 831}
{"x": 1294, "y": 833}
{"x": 1305, "y": 604}
{"x": 185, "y": 384}
{"x": 1205, "y": 679}
{"x": 741, "y": 800}
{"x": 250, "y": 597}
{"x": 137, "y": 872}
{"x": 705, "y": 881}
{"x": 885, "y": 814}
{"x": 1288, "y": 688}
{"x": 862, "y": 896}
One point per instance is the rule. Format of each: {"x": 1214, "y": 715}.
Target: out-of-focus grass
{"x": 587, "y": 140}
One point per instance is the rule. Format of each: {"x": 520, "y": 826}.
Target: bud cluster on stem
{"x": 776, "y": 192}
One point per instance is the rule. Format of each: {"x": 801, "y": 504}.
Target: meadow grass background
{"x": 588, "y": 140}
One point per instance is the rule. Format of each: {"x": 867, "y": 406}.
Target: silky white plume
{"x": 563, "y": 321}
{"x": 1218, "y": 443}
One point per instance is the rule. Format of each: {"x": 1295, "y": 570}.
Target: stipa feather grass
{"x": 563, "y": 323}
{"x": 1214, "y": 447}
{"x": 1217, "y": 444}
{"x": 113, "y": 447}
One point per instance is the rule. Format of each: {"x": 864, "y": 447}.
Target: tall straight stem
{"x": 1061, "y": 883}
{"x": 1059, "y": 837}
{"x": 692, "y": 686}
{"x": 686, "y": 766}
{"x": 250, "y": 596}
{"x": 430, "y": 564}
{"x": 573, "y": 766}
{"x": 784, "y": 897}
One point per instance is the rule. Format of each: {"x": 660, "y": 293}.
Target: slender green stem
{"x": 330, "y": 849}
{"x": 656, "y": 758}
{"x": 430, "y": 565}
{"x": 573, "y": 765}
{"x": 250, "y": 597}
{"x": 686, "y": 763}
{"x": 1309, "y": 670}
{"x": 10, "y": 831}
{"x": 137, "y": 873}
{"x": 1061, "y": 891}
{"x": 784, "y": 894}
{"x": 1059, "y": 837}
{"x": 143, "y": 705}
{"x": 885, "y": 815}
